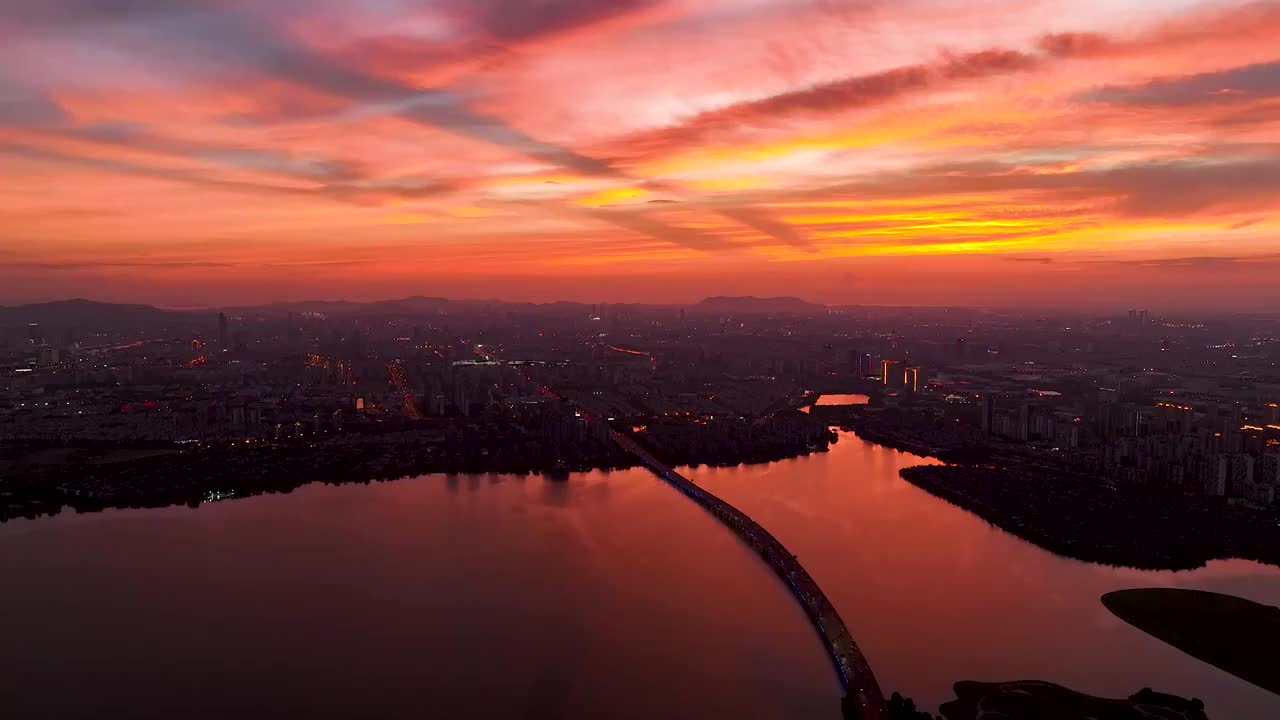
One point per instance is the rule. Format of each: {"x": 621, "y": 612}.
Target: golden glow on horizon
{"x": 947, "y": 248}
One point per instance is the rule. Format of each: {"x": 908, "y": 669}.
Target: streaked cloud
{"x": 587, "y": 139}
{"x": 1238, "y": 85}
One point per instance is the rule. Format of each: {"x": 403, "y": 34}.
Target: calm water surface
{"x": 934, "y": 594}
{"x": 607, "y": 596}
{"x": 842, "y": 400}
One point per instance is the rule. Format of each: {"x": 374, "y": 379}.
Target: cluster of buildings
{"x": 1138, "y": 398}
{"x": 895, "y": 374}
{"x": 1192, "y": 445}
{"x": 1188, "y": 406}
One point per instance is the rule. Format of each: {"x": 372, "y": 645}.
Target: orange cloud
{"x": 669, "y": 139}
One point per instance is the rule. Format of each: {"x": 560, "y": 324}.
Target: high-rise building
{"x": 866, "y": 365}
{"x": 1235, "y": 474}
{"x": 222, "y": 330}
{"x": 988, "y": 413}
{"x": 462, "y": 399}
{"x": 1268, "y": 470}
{"x": 915, "y": 379}
{"x": 891, "y": 373}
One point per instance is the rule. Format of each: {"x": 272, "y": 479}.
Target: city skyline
{"x": 1041, "y": 154}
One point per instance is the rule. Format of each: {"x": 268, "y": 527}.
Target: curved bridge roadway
{"x": 864, "y": 700}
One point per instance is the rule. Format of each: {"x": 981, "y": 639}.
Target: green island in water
{"x": 1232, "y": 634}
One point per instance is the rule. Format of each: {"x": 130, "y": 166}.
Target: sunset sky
{"x": 1080, "y": 153}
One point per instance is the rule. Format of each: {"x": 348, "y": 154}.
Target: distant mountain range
{"x": 757, "y": 305}
{"x": 408, "y": 306}
{"x": 88, "y": 314}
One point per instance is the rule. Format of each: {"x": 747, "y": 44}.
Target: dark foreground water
{"x": 610, "y": 595}
{"x": 607, "y": 596}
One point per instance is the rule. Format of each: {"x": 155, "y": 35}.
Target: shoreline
{"x": 221, "y": 474}
{"x": 1087, "y": 518}
{"x": 233, "y": 472}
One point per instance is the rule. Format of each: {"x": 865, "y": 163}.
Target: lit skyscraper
{"x": 891, "y": 373}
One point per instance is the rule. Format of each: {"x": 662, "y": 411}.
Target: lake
{"x": 609, "y": 595}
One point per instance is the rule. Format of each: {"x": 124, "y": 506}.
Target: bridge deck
{"x": 855, "y": 673}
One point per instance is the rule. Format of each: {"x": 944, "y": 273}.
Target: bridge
{"x": 863, "y": 699}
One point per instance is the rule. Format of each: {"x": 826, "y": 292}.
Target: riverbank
{"x": 1037, "y": 700}
{"x": 726, "y": 442}
{"x": 206, "y": 473}
{"x": 1080, "y": 516}
{"x": 925, "y": 444}
{"x": 1230, "y": 633}
{"x": 1091, "y": 520}
{"x": 211, "y": 472}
